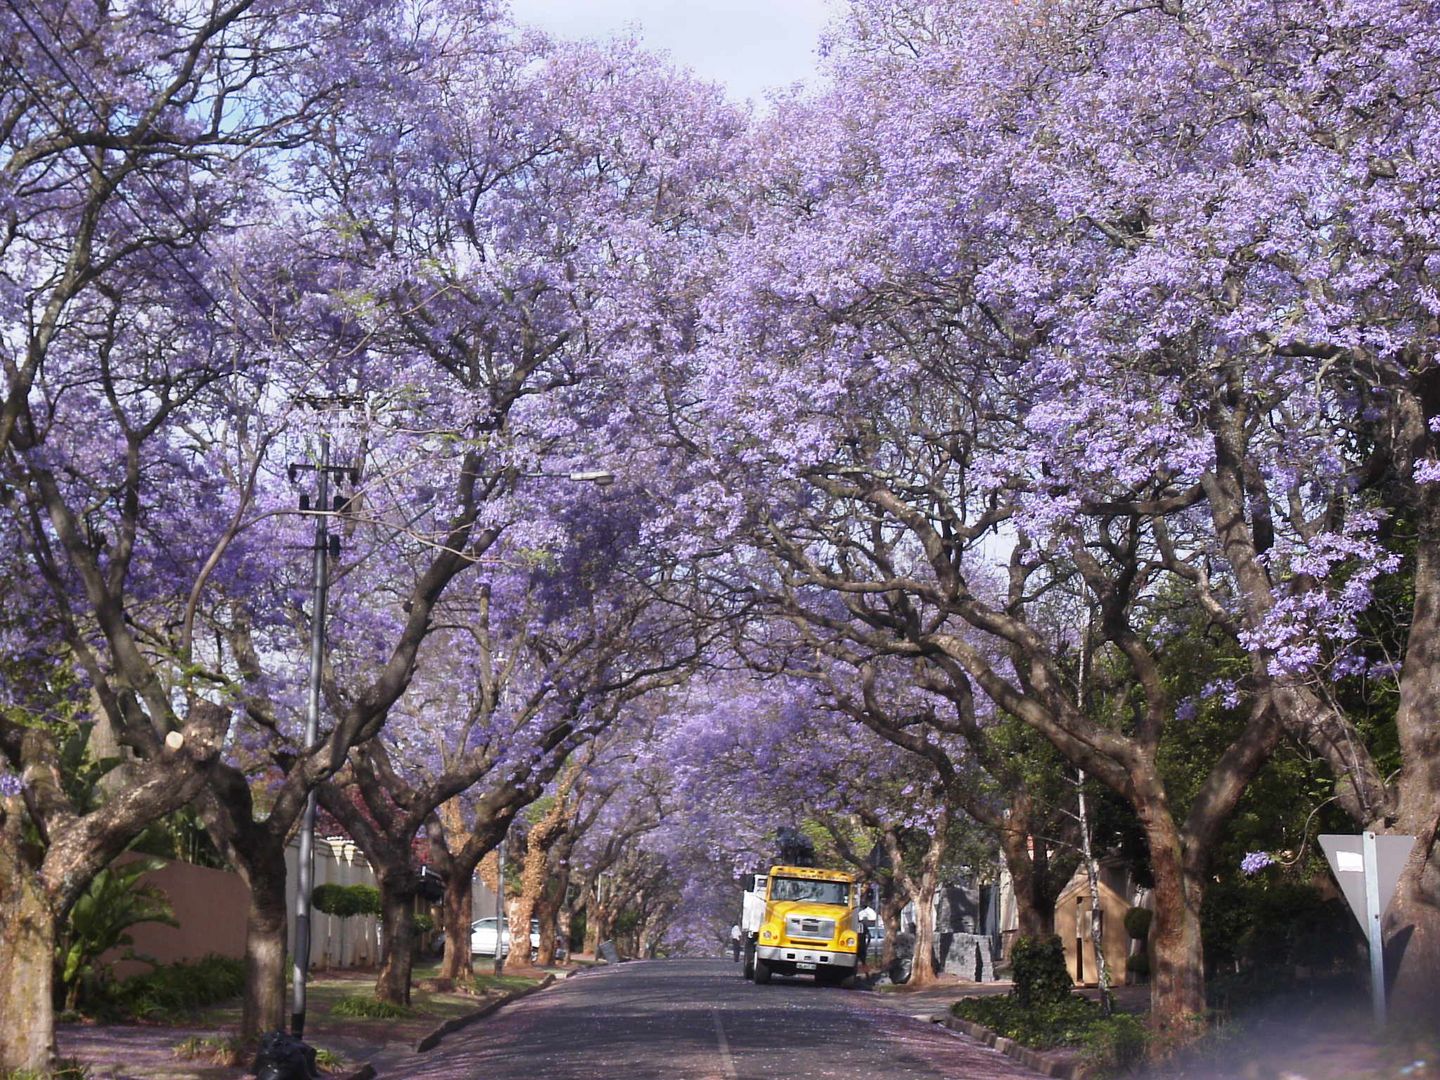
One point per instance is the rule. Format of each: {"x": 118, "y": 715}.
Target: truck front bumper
{"x": 790, "y": 954}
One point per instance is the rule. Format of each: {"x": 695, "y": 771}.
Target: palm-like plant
{"x": 115, "y": 901}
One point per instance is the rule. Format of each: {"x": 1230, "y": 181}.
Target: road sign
{"x": 1367, "y": 868}
{"x": 1346, "y": 855}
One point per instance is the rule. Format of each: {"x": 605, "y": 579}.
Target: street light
{"x": 326, "y": 547}
{"x": 598, "y": 477}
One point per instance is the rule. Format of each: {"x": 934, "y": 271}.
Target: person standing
{"x": 867, "y": 918}
{"x": 735, "y": 942}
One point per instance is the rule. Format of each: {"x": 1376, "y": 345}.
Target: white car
{"x": 482, "y": 937}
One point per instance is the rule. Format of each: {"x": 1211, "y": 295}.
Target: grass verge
{"x": 1108, "y": 1044}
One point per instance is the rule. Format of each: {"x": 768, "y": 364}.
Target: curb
{"x": 1041, "y": 1062}
{"x": 429, "y": 1042}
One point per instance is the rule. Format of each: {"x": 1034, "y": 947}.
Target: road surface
{"x": 699, "y": 1020}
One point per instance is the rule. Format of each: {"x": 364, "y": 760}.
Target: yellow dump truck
{"x": 797, "y": 920}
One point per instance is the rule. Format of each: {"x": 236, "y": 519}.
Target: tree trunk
{"x": 397, "y": 914}
{"x": 890, "y": 907}
{"x": 1177, "y": 971}
{"x": 922, "y": 968}
{"x": 552, "y": 900}
{"x": 563, "y": 923}
{"x": 1412, "y": 947}
{"x": 532, "y": 881}
{"x": 1413, "y": 922}
{"x": 456, "y": 914}
{"x": 545, "y": 912}
{"x": 604, "y": 924}
{"x": 264, "y": 1006}
{"x": 28, "y": 925}
{"x": 1034, "y": 914}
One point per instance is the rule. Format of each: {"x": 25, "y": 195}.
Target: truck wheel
{"x": 748, "y": 970}
{"x": 762, "y": 970}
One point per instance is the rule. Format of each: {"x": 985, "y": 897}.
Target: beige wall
{"x": 1072, "y": 912}
{"x": 210, "y": 906}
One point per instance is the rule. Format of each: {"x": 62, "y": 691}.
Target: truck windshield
{"x": 820, "y": 892}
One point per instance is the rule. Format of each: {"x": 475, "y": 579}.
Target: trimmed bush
{"x": 1137, "y": 922}
{"x": 346, "y": 901}
{"x": 1039, "y": 971}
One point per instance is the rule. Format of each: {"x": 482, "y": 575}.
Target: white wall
{"x": 355, "y": 942}
{"x": 334, "y": 943}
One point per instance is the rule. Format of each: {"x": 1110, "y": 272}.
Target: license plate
{"x": 805, "y": 967}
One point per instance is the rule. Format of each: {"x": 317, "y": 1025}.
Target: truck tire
{"x": 748, "y": 968}
{"x": 762, "y": 970}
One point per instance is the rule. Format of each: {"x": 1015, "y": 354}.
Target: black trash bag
{"x": 284, "y": 1057}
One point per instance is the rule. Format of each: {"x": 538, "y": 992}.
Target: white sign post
{"x": 1367, "y": 868}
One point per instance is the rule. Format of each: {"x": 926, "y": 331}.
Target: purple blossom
{"x": 11, "y": 785}
{"x": 1254, "y": 862}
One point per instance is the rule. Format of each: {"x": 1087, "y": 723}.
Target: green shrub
{"x": 65, "y": 1069}
{"x": 173, "y": 989}
{"x": 1055, "y": 1023}
{"x": 329, "y": 1060}
{"x": 1254, "y": 923}
{"x": 1039, "y": 971}
{"x": 424, "y": 924}
{"x": 346, "y": 901}
{"x": 363, "y": 1007}
{"x": 114, "y": 901}
{"x": 1137, "y": 922}
{"x": 1116, "y": 1043}
{"x": 225, "y": 1050}
{"x": 330, "y": 900}
{"x": 1138, "y": 964}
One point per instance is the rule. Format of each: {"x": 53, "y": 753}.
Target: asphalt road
{"x": 699, "y": 1020}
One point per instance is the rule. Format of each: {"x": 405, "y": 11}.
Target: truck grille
{"x": 809, "y": 926}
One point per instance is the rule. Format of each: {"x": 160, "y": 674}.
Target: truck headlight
{"x": 766, "y": 934}
{"x": 848, "y": 941}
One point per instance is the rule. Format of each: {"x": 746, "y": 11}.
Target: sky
{"x": 748, "y": 45}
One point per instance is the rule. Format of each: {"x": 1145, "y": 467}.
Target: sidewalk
{"x": 1303, "y": 1037}
{"x": 147, "y": 1052}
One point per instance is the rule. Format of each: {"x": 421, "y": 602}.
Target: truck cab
{"x": 799, "y": 920}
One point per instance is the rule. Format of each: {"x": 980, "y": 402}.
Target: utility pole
{"x": 326, "y": 547}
